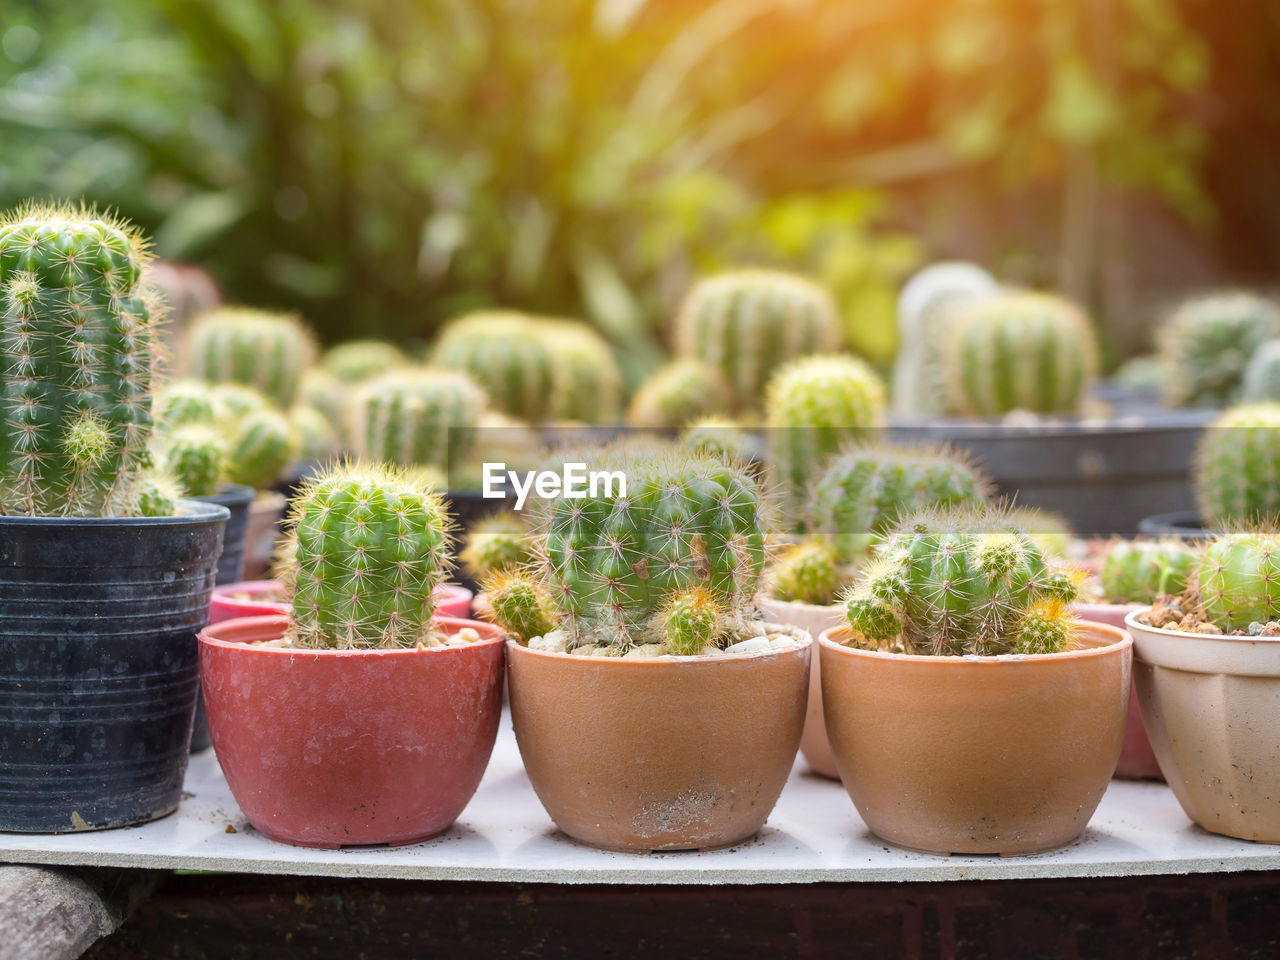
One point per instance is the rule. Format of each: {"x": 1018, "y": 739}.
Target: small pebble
{"x": 754, "y": 645}
{"x": 643, "y": 651}
{"x": 553, "y": 642}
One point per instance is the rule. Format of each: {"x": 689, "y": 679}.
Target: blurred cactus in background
{"x": 1262, "y": 375}
{"x": 417, "y": 417}
{"x": 358, "y": 360}
{"x": 1237, "y": 472}
{"x": 679, "y": 393}
{"x": 1207, "y": 345}
{"x": 266, "y": 351}
{"x": 1138, "y": 571}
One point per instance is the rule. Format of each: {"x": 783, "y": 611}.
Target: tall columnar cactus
{"x": 613, "y": 561}
{"x": 372, "y": 546}
{"x": 806, "y": 572}
{"x": 750, "y": 322}
{"x": 1239, "y": 580}
{"x": 815, "y": 406}
{"x": 1017, "y": 351}
{"x": 678, "y": 394}
{"x": 419, "y": 416}
{"x": 1207, "y": 343}
{"x": 506, "y": 353}
{"x": 76, "y": 362}
{"x": 359, "y": 360}
{"x": 1262, "y": 375}
{"x": 1138, "y": 571}
{"x": 1237, "y": 473}
{"x": 866, "y": 489}
{"x": 263, "y": 444}
{"x": 586, "y": 384}
{"x": 266, "y": 351}
{"x": 195, "y": 455}
{"x": 963, "y": 581}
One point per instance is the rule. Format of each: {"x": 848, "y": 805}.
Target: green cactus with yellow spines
{"x": 257, "y": 348}
{"x": 806, "y": 572}
{"x": 371, "y": 548}
{"x": 1238, "y": 577}
{"x": 498, "y": 542}
{"x": 691, "y": 619}
{"x": 678, "y": 394}
{"x": 195, "y": 455}
{"x": 262, "y": 445}
{"x": 1207, "y": 343}
{"x": 1138, "y": 571}
{"x": 1237, "y": 467}
{"x": 418, "y": 417}
{"x": 521, "y": 605}
{"x": 359, "y": 360}
{"x": 77, "y": 356}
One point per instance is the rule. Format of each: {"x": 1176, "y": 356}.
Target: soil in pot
{"x": 1006, "y": 755}
{"x": 332, "y": 748}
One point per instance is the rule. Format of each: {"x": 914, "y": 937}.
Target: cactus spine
{"x": 678, "y": 394}
{"x": 963, "y": 581}
{"x": 1239, "y": 580}
{"x": 266, "y": 351}
{"x": 1017, "y": 351}
{"x": 750, "y": 322}
{"x": 418, "y": 417}
{"x": 520, "y": 604}
{"x": 359, "y": 360}
{"x": 504, "y": 352}
{"x": 372, "y": 547}
{"x": 806, "y": 572}
{"x": 1207, "y": 343}
{"x": 1262, "y": 375}
{"x": 1138, "y": 571}
{"x": 76, "y": 362}
{"x": 1237, "y": 474}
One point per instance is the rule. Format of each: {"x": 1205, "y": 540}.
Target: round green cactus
{"x": 1138, "y": 571}
{"x": 1207, "y": 343}
{"x": 806, "y": 572}
{"x": 1239, "y": 580}
{"x": 158, "y": 493}
{"x": 815, "y": 406}
{"x": 359, "y": 360}
{"x": 1237, "y": 472}
{"x": 520, "y": 604}
{"x": 718, "y": 437}
{"x": 262, "y": 445}
{"x": 506, "y": 353}
{"x": 866, "y": 489}
{"x": 372, "y": 547}
{"x": 195, "y": 456}
{"x": 586, "y": 384}
{"x": 750, "y": 322}
{"x": 180, "y": 402}
{"x": 678, "y": 394}
{"x": 266, "y": 351}
{"x": 1017, "y": 351}
{"x": 691, "y": 619}
{"x": 76, "y": 364}
{"x": 1262, "y": 375}
{"x": 322, "y": 391}
{"x": 418, "y": 416}
{"x": 961, "y": 581}
{"x": 232, "y": 402}
{"x": 499, "y": 542}
{"x": 317, "y": 439}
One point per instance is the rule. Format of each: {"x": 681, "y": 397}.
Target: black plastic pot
{"x": 1103, "y": 476}
{"x": 98, "y": 668}
{"x": 1183, "y": 524}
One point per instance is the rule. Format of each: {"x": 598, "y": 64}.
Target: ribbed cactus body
{"x": 678, "y": 394}
{"x": 317, "y": 438}
{"x": 499, "y": 542}
{"x": 194, "y": 454}
{"x": 520, "y": 604}
{"x": 371, "y": 549}
{"x": 1208, "y": 342}
{"x": 815, "y": 406}
{"x": 1239, "y": 580}
{"x": 266, "y": 351}
{"x": 262, "y": 445}
{"x": 807, "y": 572}
{"x": 750, "y": 322}
{"x": 612, "y": 561}
{"x": 1237, "y": 474}
{"x": 1017, "y": 351}
{"x": 1262, "y": 375}
{"x": 1138, "y": 571}
{"x": 323, "y": 391}
{"x": 865, "y": 490}
{"x": 505, "y": 353}
{"x": 76, "y": 362}
{"x": 359, "y": 360}
{"x": 720, "y": 438}
{"x": 586, "y": 384}
{"x": 965, "y": 581}
{"x": 690, "y": 622}
{"x": 180, "y": 402}
{"x": 418, "y": 417}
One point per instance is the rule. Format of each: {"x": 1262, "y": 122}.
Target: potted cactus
{"x": 267, "y": 351}
{"x": 361, "y": 717}
{"x": 640, "y": 612}
{"x": 1207, "y": 667}
{"x": 104, "y": 578}
{"x": 1133, "y": 574}
{"x": 967, "y": 712}
{"x": 679, "y": 393}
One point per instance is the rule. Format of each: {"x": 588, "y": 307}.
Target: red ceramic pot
{"x": 263, "y": 598}
{"x": 332, "y": 748}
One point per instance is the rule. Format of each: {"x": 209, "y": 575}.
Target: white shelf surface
{"x": 813, "y": 836}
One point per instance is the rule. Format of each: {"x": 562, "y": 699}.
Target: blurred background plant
{"x": 383, "y": 167}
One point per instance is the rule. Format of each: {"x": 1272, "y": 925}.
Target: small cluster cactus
{"x": 1237, "y": 474}
{"x": 806, "y": 572}
{"x": 678, "y": 394}
{"x": 1138, "y": 571}
{"x": 359, "y": 360}
{"x": 690, "y": 621}
{"x": 1207, "y": 344}
{"x": 963, "y": 581}
{"x": 1017, "y": 350}
{"x": 866, "y": 489}
{"x": 815, "y": 406}
{"x": 76, "y": 363}
{"x": 1238, "y": 578}
{"x": 418, "y": 417}
{"x": 371, "y": 548}
{"x": 498, "y": 542}
{"x": 521, "y": 604}
{"x": 750, "y": 322}
{"x": 1262, "y": 375}
{"x": 266, "y": 351}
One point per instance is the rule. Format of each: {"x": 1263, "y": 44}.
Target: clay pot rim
{"x": 277, "y": 623}
{"x": 667, "y": 659}
{"x": 1119, "y": 642}
{"x": 1131, "y": 622}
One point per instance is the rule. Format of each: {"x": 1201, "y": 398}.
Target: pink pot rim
{"x": 452, "y": 591}
{"x": 1119, "y": 643}
{"x": 279, "y": 623}
{"x": 668, "y": 660}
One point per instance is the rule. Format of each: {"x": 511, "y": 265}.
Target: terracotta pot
{"x": 1005, "y": 755}
{"x": 660, "y": 753}
{"x": 266, "y": 599}
{"x": 814, "y": 620}
{"x": 1137, "y": 759}
{"x": 265, "y": 514}
{"x": 330, "y": 748}
{"x": 1209, "y": 703}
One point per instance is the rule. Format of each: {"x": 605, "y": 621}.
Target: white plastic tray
{"x": 814, "y": 835}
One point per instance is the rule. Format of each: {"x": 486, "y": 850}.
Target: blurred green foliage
{"x": 384, "y": 166}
